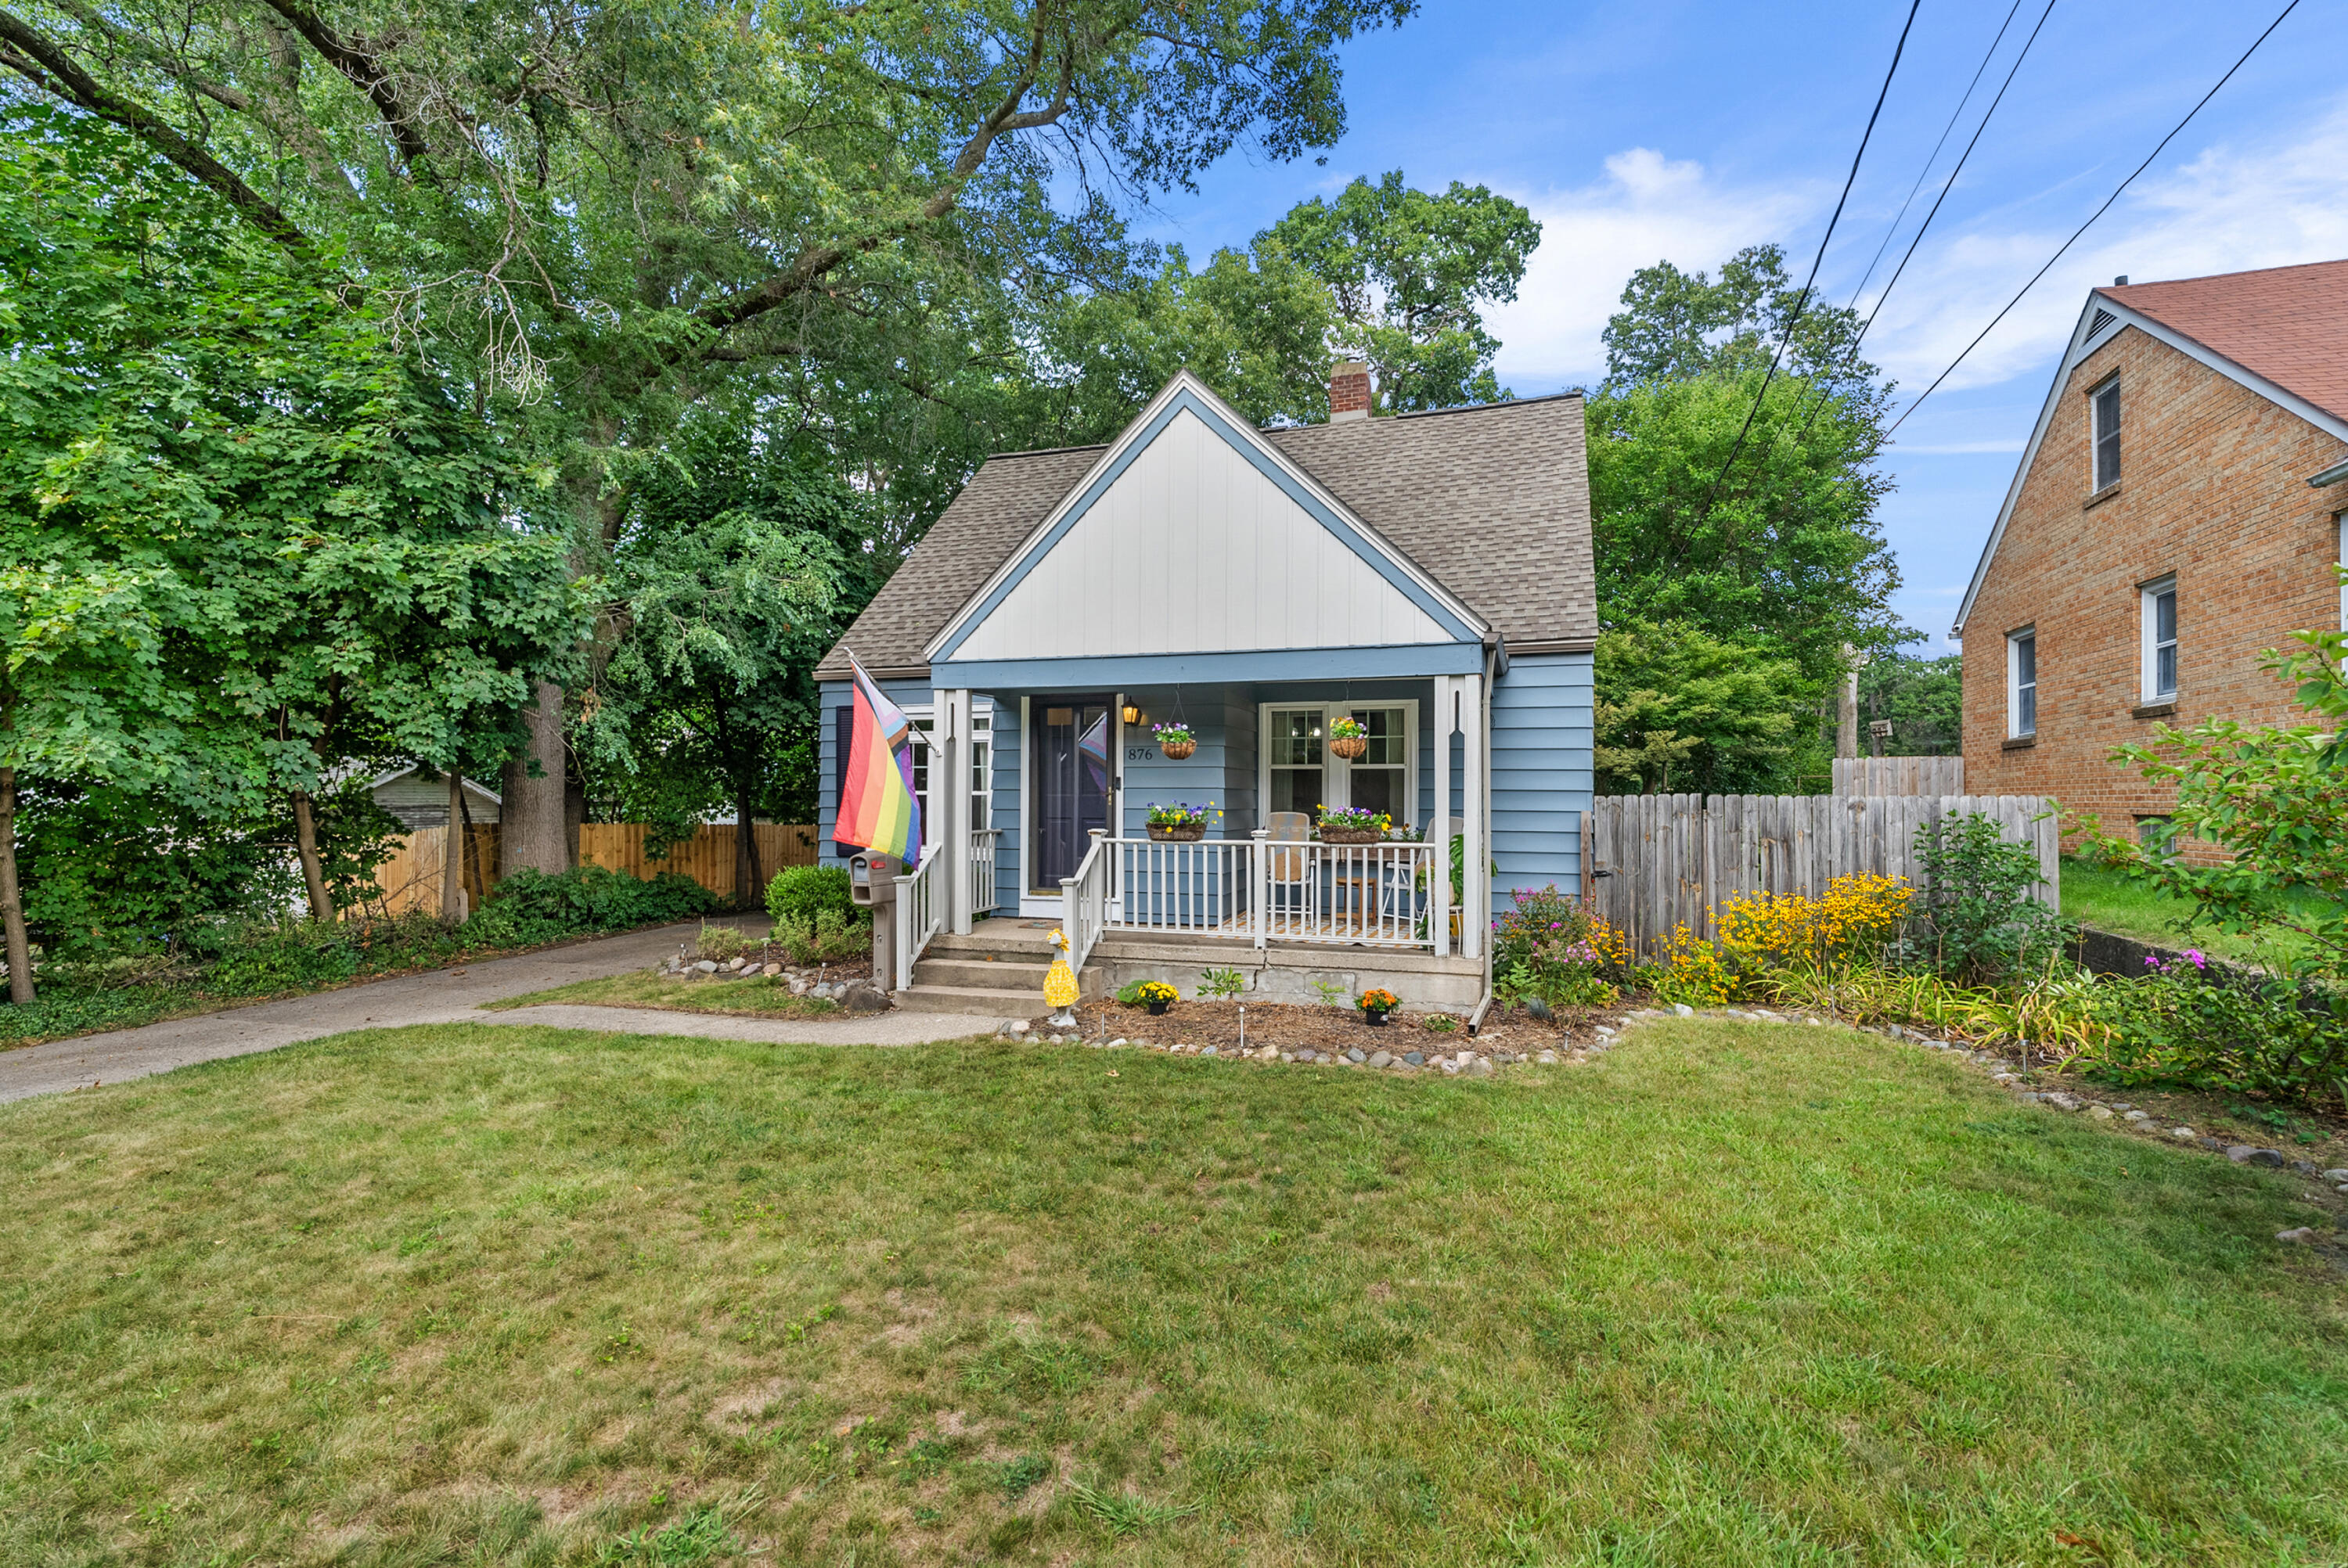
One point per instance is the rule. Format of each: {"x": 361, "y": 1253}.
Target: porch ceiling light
{"x": 1131, "y": 712}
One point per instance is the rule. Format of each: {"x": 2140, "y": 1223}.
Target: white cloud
{"x": 1647, "y": 209}
{"x": 2234, "y": 207}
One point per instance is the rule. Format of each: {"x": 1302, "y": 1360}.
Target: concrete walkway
{"x": 442, "y": 996}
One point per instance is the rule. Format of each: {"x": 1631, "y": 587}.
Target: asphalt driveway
{"x": 441, "y": 996}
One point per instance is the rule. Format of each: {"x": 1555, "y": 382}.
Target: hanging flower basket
{"x": 1348, "y": 738}
{"x": 1175, "y": 740}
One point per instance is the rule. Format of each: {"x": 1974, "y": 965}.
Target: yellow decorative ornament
{"x": 1060, "y": 990}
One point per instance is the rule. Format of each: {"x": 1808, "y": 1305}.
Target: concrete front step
{"x": 929, "y": 996}
{"x": 957, "y": 970}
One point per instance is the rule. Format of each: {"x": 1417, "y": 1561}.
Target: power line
{"x": 1802, "y": 303}
{"x": 1931, "y": 158}
{"x": 2098, "y": 213}
{"x": 1826, "y": 391}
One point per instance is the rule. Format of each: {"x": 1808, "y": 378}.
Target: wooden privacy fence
{"x": 410, "y": 879}
{"x": 707, "y": 857}
{"x": 1899, "y": 775}
{"x": 1659, "y": 861}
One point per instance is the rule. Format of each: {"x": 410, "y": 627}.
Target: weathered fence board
{"x": 410, "y": 879}
{"x": 1899, "y": 775}
{"x": 1661, "y": 861}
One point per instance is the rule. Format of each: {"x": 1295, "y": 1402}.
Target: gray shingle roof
{"x": 1492, "y": 502}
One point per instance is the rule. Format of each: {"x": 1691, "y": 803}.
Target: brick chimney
{"x": 1349, "y": 391}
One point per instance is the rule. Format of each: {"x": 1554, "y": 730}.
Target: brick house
{"x": 2178, "y": 509}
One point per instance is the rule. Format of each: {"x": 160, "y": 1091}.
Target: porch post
{"x": 1258, "y": 888}
{"x": 950, "y": 800}
{"x": 1439, "y": 871}
{"x": 1476, "y": 914}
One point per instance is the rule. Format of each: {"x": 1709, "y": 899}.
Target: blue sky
{"x": 1683, "y": 131}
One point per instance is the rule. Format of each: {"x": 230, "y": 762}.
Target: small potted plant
{"x": 1157, "y": 996}
{"x": 1348, "y": 737}
{"x": 1376, "y": 1003}
{"x": 1175, "y": 740}
{"x": 1353, "y": 825}
{"x": 1179, "y": 823}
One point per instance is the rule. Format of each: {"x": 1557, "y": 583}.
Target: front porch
{"x": 1054, "y": 825}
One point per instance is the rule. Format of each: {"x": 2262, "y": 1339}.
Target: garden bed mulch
{"x": 1308, "y": 1031}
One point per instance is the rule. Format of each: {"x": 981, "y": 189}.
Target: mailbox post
{"x": 873, "y": 885}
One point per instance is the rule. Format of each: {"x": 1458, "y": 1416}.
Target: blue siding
{"x": 1009, "y": 741}
{"x": 1541, "y": 772}
{"x": 1224, "y": 723}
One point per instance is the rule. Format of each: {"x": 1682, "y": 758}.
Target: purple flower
{"x": 2150, "y": 962}
{"x": 2199, "y": 961}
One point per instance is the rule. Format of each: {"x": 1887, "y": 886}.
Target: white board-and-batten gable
{"x": 1193, "y": 535}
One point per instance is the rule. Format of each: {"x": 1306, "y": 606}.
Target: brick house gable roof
{"x": 2287, "y": 324}
{"x": 2277, "y": 331}
{"x": 1492, "y": 502}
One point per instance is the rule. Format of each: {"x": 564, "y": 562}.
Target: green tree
{"x": 1411, "y": 274}
{"x": 587, "y": 223}
{"x": 1680, "y": 711}
{"x": 1676, "y": 326}
{"x": 736, "y": 570}
{"x": 1923, "y": 698}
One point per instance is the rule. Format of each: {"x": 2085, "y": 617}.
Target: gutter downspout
{"x": 1495, "y": 661}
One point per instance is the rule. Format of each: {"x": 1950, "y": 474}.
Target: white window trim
{"x": 2013, "y": 642}
{"x": 2340, "y": 520}
{"x": 1336, "y": 772}
{"x": 2149, "y": 661}
{"x": 922, "y": 716}
{"x": 2095, "y": 434}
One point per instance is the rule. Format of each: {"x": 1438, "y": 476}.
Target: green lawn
{"x": 1732, "y": 1294}
{"x": 2105, "y": 899}
{"x": 755, "y": 998}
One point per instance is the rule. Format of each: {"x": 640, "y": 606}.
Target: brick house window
{"x": 2022, "y": 682}
{"x": 2103, "y": 403}
{"x": 2159, "y": 617}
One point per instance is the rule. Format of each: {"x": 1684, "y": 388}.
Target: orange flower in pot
{"x": 1376, "y": 1003}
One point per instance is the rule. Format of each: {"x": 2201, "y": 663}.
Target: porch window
{"x": 982, "y": 765}
{"x": 1301, "y": 773}
{"x": 1297, "y": 769}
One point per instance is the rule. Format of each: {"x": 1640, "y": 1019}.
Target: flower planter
{"x": 1178, "y": 751}
{"x": 1375, "y": 1020}
{"x": 1352, "y": 835}
{"x": 1191, "y": 834}
{"x": 1158, "y": 1009}
{"x": 1349, "y": 747}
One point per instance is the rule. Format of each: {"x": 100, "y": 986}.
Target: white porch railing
{"x": 982, "y": 843}
{"x": 1084, "y": 899}
{"x": 921, "y": 916}
{"x": 1253, "y": 889}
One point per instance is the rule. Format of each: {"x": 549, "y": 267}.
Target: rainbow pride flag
{"x": 878, "y": 808}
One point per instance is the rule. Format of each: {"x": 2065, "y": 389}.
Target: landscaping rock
{"x": 1546, "y": 1059}
{"x": 1684, "y": 1010}
{"x": 1450, "y": 1067}
{"x": 1020, "y": 1026}
{"x": 2100, "y": 1113}
{"x": 1416, "y": 1059}
{"x": 1269, "y": 1053}
{"x": 1479, "y": 1068}
{"x": 2244, "y": 1155}
{"x": 2302, "y": 1167}
{"x": 771, "y": 970}
{"x": 865, "y": 998}
{"x": 2216, "y": 1146}
{"x": 2139, "y": 1116}
{"x": 706, "y": 966}
{"x": 2062, "y": 1102}
{"x": 1355, "y": 1055}
{"x": 2303, "y": 1234}
{"x": 1381, "y": 1059}
{"x": 2183, "y": 1134}
{"x": 2335, "y": 1175}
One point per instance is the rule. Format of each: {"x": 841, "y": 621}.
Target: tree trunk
{"x": 476, "y": 885}
{"x": 305, "y": 843}
{"x": 574, "y": 813}
{"x": 750, "y": 878}
{"x": 12, "y": 907}
{"x": 532, "y": 823}
{"x": 452, "y": 863}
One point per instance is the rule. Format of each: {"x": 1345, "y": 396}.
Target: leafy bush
{"x": 719, "y": 943}
{"x": 1549, "y": 945}
{"x": 831, "y": 937}
{"x": 530, "y": 906}
{"x": 804, "y": 892}
{"x": 1979, "y": 919}
{"x": 1223, "y": 983}
{"x": 2188, "y": 1022}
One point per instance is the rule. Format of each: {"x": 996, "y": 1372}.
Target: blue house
{"x": 1428, "y": 576}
